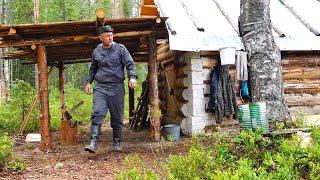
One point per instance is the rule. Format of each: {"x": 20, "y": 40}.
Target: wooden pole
{"x": 153, "y": 91}
{"x": 64, "y": 127}
{"x": 100, "y": 20}
{"x": 36, "y": 14}
{"x": 46, "y": 140}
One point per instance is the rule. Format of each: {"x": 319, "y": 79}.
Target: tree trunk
{"x": 5, "y": 63}
{"x": 45, "y": 127}
{"x": 36, "y": 15}
{"x": 153, "y": 89}
{"x": 264, "y": 58}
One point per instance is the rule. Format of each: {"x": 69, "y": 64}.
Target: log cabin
{"x": 180, "y": 41}
{"x": 197, "y": 30}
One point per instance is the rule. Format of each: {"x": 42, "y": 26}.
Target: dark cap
{"x": 106, "y": 28}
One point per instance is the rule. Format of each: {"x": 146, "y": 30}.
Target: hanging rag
{"x": 222, "y": 95}
{"x": 242, "y": 66}
{"x": 214, "y": 77}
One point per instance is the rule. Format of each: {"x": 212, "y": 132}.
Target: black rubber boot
{"x": 94, "y": 138}
{"x": 117, "y": 145}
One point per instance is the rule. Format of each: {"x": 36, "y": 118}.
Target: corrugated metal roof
{"x": 207, "y": 25}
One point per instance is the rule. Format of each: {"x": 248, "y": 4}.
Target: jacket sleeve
{"x": 93, "y": 70}
{"x": 128, "y": 62}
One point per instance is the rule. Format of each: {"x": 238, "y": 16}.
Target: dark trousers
{"x": 109, "y": 96}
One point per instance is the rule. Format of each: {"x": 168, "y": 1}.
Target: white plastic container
{"x": 33, "y": 137}
{"x": 227, "y": 55}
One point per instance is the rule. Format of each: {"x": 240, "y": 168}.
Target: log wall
{"x": 184, "y": 86}
{"x": 301, "y": 75}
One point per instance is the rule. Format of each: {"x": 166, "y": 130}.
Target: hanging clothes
{"x": 214, "y": 77}
{"x": 222, "y": 95}
{"x": 242, "y": 66}
{"x": 242, "y": 73}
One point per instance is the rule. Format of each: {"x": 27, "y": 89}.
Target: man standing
{"x": 107, "y": 69}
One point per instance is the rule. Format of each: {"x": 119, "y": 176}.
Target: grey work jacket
{"x": 108, "y": 64}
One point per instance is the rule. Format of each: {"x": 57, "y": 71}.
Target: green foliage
{"x": 250, "y": 140}
{"x": 137, "y": 169}
{"x": 21, "y": 96}
{"x": 6, "y": 150}
{"x": 12, "y": 114}
{"x": 246, "y": 156}
{"x": 300, "y": 118}
{"x": 7, "y": 157}
{"x": 197, "y": 164}
{"x": 127, "y": 7}
{"x": 73, "y": 97}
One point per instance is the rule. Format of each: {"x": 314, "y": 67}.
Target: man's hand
{"x": 88, "y": 88}
{"x": 132, "y": 83}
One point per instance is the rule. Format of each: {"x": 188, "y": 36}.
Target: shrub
{"x": 7, "y": 157}
{"x": 6, "y": 150}
{"x": 136, "y": 169}
{"x": 245, "y": 156}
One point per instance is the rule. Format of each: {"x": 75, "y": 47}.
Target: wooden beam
{"x": 46, "y": 139}
{"x": 153, "y": 91}
{"x": 73, "y": 39}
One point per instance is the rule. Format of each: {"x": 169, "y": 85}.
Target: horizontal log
{"x": 71, "y": 39}
{"x": 305, "y": 62}
{"x": 301, "y": 87}
{"x": 310, "y": 110}
{"x": 167, "y": 62}
{"x": 301, "y": 73}
{"x": 293, "y": 100}
{"x": 163, "y": 43}
{"x": 166, "y": 55}
{"x": 180, "y": 72}
{"x": 181, "y": 83}
{"x": 163, "y": 49}
{"x": 178, "y": 93}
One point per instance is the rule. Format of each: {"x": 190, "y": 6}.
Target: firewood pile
{"x": 141, "y": 116}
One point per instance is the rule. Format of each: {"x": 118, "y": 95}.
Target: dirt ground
{"x": 72, "y": 162}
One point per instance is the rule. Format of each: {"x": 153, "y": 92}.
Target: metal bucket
{"x": 227, "y": 55}
{"x": 258, "y": 116}
{"x": 244, "y": 116}
{"x": 172, "y": 131}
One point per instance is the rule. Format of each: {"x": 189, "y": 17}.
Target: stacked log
{"x": 301, "y": 77}
{"x": 171, "y": 79}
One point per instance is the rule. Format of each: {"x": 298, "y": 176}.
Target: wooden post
{"x": 153, "y": 91}
{"x": 46, "y": 140}
{"x": 68, "y": 133}
{"x": 100, "y": 20}
{"x": 64, "y": 127}
{"x": 131, "y": 102}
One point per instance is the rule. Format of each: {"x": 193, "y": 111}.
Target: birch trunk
{"x": 36, "y": 14}
{"x": 264, "y": 58}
